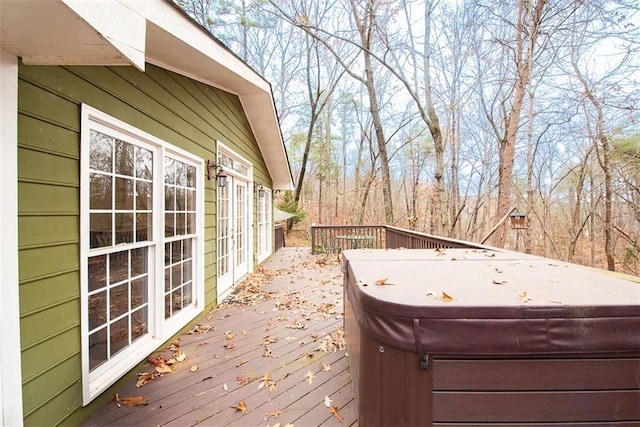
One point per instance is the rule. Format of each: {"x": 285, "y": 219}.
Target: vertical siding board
{"x": 183, "y": 112}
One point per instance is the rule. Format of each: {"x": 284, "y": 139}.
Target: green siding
{"x": 181, "y": 111}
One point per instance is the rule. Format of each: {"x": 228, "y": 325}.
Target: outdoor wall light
{"x": 260, "y": 190}
{"x": 220, "y": 174}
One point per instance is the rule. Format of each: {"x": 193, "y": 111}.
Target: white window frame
{"x": 159, "y": 330}
{"x": 264, "y": 224}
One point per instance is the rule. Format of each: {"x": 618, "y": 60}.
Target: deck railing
{"x": 279, "y": 236}
{"x": 329, "y": 238}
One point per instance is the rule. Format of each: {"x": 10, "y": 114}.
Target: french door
{"x": 233, "y": 233}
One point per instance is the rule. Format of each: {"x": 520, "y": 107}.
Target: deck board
{"x": 296, "y": 291}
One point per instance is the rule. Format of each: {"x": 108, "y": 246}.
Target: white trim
{"x": 10, "y": 362}
{"x": 95, "y": 382}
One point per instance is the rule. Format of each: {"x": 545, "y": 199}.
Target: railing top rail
{"x": 460, "y": 243}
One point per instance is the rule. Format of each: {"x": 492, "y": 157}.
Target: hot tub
{"x": 482, "y": 337}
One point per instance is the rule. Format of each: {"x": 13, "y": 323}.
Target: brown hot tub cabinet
{"x": 474, "y": 337}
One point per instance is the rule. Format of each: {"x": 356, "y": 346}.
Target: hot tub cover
{"x": 486, "y": 302}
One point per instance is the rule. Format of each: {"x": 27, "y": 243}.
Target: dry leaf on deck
{"x": 274, "y": 414}
{"x": 334, "y": 412}
{"x": 382, "y": 282}
{"x": 327, "y": 402}
{"x": 240, "y": 406}
{"x": 181, "y": 357}
{"x": 242, "y": 380}
{"x": 229, "y": 335}
{"x": 325, "y": 366}
{"x": 131, "y": 401}
{"x": 446, "y": 298}
{"x": 225, "y": 387}
{"x": 310, "y": 376}
{"x": 524, "y": 297}
{"x": 145, "y": 377}
{"x": 194, "y": 368}
{"x": 499, "y": 282}
{"x": 164, "y": 369}
{"x": 230, "y": 345}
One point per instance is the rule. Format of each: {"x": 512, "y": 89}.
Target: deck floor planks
{"x": 186, "y": 398}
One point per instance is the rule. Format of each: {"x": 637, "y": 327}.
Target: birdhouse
{"x": 518, "y": 220}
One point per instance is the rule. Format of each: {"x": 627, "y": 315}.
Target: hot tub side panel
{"x": 571, "y": 390}
{"x": 390, "y": 387}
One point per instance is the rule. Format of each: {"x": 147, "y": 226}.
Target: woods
{"x": 441, "y": 116}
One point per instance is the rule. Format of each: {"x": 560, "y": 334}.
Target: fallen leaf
{"x": 164, "y": 369}
{"x": 446, "y": 298}
{"x": 325, "y": 366}
{"x": 181, "y": 357}
{"x": 498, "y": 270}
{"x": 206, "y": 378}
{"x": 492, "y": 254}
{"x": 194, "y": 368}
{"x": 310, "y": 376}
{"x": 499, "y": 282}
{"x": 200, "y": 329}
{"x": 225, "y": 387}
{"x": 275, "y": 413}
{"x": 327, "y": 402}
{"x": 240, "y": 406}
{"x": 334, "y": 412}
{"x": 131, "y": 401}
{"x": 229, "y": 345}
{"x": 242, "y": 362}
{"x": 244, "y": 333}
{"x": 229, "y": 335}
{"x": 524, "y": 297}
{"x": 242, "y": 380}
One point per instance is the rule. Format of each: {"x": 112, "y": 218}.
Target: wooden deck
{"x": 276, "y": 345}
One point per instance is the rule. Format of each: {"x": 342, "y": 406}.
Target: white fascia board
{"x": 10, "y": 362}
{"x": 165, "y": 15}
{"x": 116, "y": 23}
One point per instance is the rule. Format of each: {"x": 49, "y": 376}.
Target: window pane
{"x": 124, "y": 194}
{"x": 124, "y": 158}
{"x": 181, "y": 225}
{"x": 97, "y": 348}
{"x": 181, "y": 172}
{"x": 169, "y": 226}
{"x": 186, "y": 271}
{"x": 143, "y": 196}
{"x": 138, "y": 292}
{"x": 167, "y": 279}
{"x": 97, "y": 310}
{"x": 169, "y": 198}
{"x": 139, "y": 322}
{"x": 119, "y": 335}
{"x": 169, "y": 171}
{"x": 119, "y": 267}
{"x": 97, "y": 272}
{"x": 191, "y": 223}
{"x": 176, "y": 301}
{"x": 139, "y": 262}
{"x": 191, "y": 200}
{"x": 180, "y": 199}
{"x": 176, "y": 276}
{"x": 124, "y": 228}
{"x": 186, "y": 249}
{"x": 167, "y": 253}
{"x": 100, "y": 188}
{"x": 191, "y": 176}
{"x": 176, "y": 251}
{"x": 187, "y": 295}
{"x": 167, "y": 306}
{"x": 100, "y": 230}
{"x": 100, "y": 152}
{"x": 143, "y": 227}
{"x": 144, "y": 163}
{"x": 119, "y": 302}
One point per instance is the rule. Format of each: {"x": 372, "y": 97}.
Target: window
{"x": 141, "y": 246}
{"x": 264, "y": 225}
